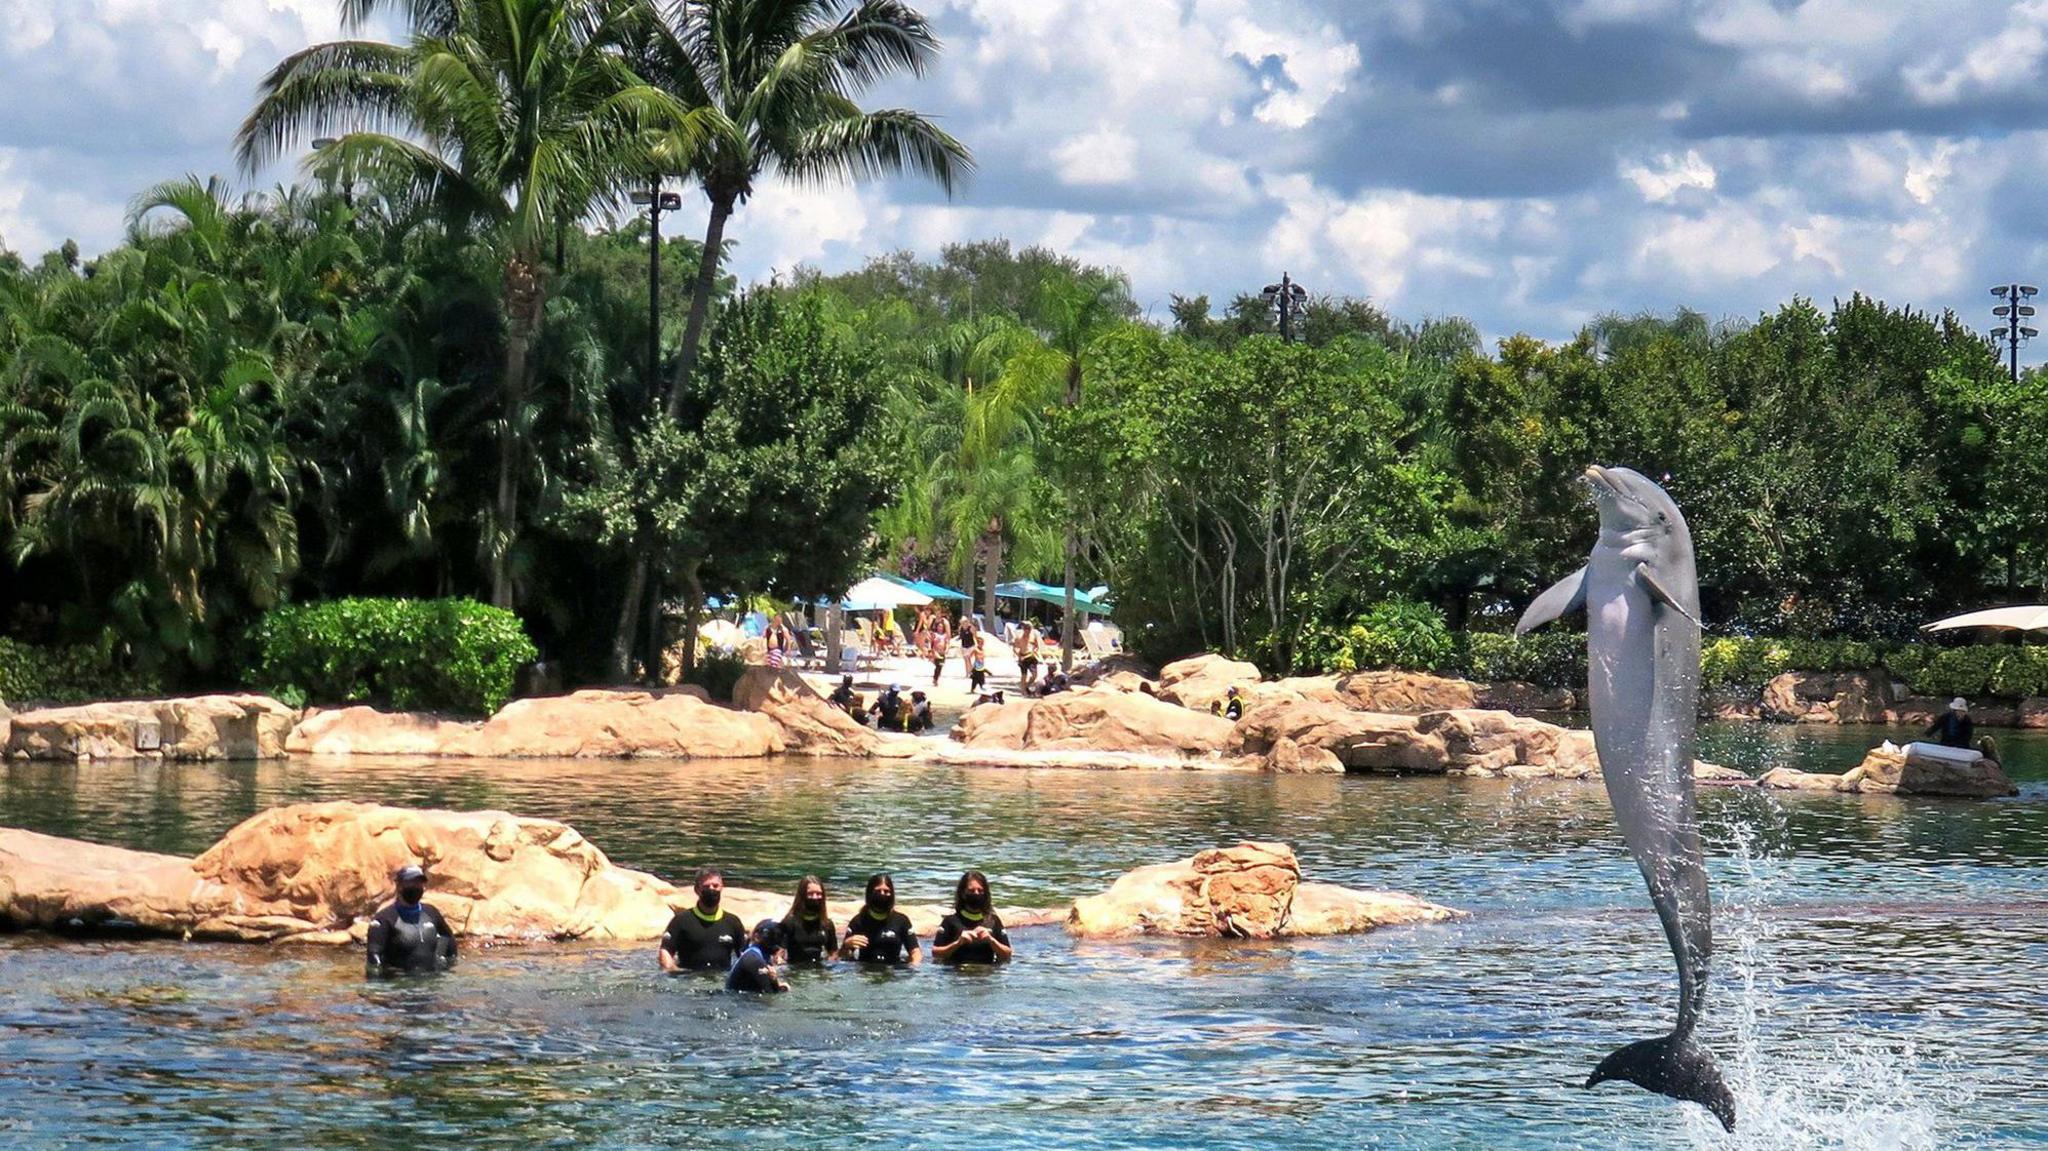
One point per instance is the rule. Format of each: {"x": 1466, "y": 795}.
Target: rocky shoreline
{"x": 1116, "y": 718}
{"x": 313, "y": 873}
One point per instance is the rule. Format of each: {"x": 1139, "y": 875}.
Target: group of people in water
{"x": 409, "y": 936}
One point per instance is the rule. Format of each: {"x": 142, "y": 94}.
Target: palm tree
{"x": 782, "y": 77}
{"x": 518, "y": 113}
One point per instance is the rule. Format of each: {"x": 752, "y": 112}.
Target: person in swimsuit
{"x": 754, "y": 969}
{"x": 808, "y": 935}
{"x": 703, "y": 938}
{"x": 974, "y": 932}
{"x": 878, "y": 933}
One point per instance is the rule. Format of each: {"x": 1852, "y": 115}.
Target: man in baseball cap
{"x": 409, "y": 937}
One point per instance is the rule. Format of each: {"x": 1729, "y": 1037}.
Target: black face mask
{"x": 882, "y": 903}
{"x": 708, "y": 900}
{"x": 978, "y": 900}
{"x": 814, "y": 904}
{"x": 411, "y": 894}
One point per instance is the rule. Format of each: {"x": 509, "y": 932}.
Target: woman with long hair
{"x": 974, "y": 932}
{"x": 807, "y": 932}
{"x": 878, "y": 933}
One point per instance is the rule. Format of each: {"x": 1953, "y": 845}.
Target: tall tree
{"x": 517, "y": 113}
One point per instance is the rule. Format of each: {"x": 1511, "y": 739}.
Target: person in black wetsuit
{"x": 1953, "y": 727}
{"x": 974, "y": 932}
{"x": 878, "y": 933}
{"x": 702, "y": 938}
{"x": 409, "y": 937}
{"x": 807, "y": 933}
{"x": 847, "y": 700}
{"x": 754, "y": 970}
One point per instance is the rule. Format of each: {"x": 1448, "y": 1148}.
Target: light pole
{"x": 2012, "y": 311}
{"x": 656, "y": 201}
{"x": 1290, "y": 297}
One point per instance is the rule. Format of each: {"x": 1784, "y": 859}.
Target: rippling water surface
{"x": 1876, "y": 982}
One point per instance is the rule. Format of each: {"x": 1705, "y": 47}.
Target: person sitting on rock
{"x": 888, "y": 710}
{"x": 994, "y": 697}
{"x": 920, "y": 720}
{"x": 409, "y": 937}
{"x": 702, "y": 938}
{"x": 1953, "y": 727}
{"x": 808, "y": 935}
{"x": 754, "y": 970}
{"x": 974, "y": 932}
{"x": 878, "y": 933}
{"x": 1233, "y": 705}
{"x": 846, "y": 699}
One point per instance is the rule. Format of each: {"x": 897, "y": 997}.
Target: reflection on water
{"x": 1875, "y": 984}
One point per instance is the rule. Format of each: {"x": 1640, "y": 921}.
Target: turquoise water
{"x": 1876, "y": 982}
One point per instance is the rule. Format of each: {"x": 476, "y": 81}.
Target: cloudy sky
{"x": 1528, "y": 164}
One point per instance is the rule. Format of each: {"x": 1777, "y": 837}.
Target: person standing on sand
{"x": 1026, "y": 648}
{"x": 941, "y": 638}
{"x": 970, "y": 638}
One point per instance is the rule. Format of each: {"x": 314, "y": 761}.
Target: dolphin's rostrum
{"x": 1641, "y": 597}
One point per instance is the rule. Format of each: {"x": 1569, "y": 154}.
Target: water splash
{"x": 1798, "y": 1085}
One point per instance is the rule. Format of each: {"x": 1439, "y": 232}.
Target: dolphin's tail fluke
{"x": 1672, "y": 1065}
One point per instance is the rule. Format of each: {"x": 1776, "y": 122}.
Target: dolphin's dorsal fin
{"x": 1657, "y": 592}
{"x": 1561, "y": 598}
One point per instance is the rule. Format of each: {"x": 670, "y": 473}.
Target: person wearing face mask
{"x": 808, "y": 935}
{"x": 409, "y": 937}
{"x": 974, "y": 932}
{"x": 703, "y": 938}
{"x": 878, "y": 933}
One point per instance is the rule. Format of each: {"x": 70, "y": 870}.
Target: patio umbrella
{"x": 877, "y": 594}
{"x": 2025, "y": 617}
{"x": 936, "y": 591}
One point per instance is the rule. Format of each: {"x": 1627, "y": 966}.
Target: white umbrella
{"x": 2026, "y": 617}
{"x": 722, "y": 633}
{"x": 875, "y": 593}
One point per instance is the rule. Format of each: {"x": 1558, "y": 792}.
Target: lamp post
{"x": 2012, "y": 310}
{"x": 1289, "y": 297}
{"x": 656, "y": 202}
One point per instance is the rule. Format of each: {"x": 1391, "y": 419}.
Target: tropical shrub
{"x": 1544, "y": 658}
{"x": 439, "y": 655}
{"x": 1394, "y": 633}
{"x": 718, "y": 671}
{"x": 66, "y": 675}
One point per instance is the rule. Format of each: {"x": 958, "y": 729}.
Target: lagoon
{"x": 1875, "y": 981}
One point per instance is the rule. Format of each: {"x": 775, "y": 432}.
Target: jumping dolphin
{"x": 1642, "y": 603}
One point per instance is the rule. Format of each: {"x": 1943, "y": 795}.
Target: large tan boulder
{"x": 206, "y": 727}
{"x": 1199, "y": 681}
{"x": 1885, "y": 771}
{"x": 1250, "y": 891}
{"x": 1406, "y": 692}
{"x": 1792, "y": 779}
{"x": 1816, "y": 697}
{"x": 54, "y": 883}
{"x": 492, "y": 873}
{"x": 1291, "y": 758}
{"x": 1486, "y": 743}
{"x": 1093, "y": 720}
{"x": 1368, "y": 741}
{"x": 675, "y": 723}
{"x": 810, "y": 724}
{"x": 1121, "y": 671}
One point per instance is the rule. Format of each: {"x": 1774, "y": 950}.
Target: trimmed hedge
{"x": 433, "y": 655}
{"x": 66, "y": 675}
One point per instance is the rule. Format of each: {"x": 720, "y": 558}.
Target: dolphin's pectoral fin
{"x": 1657, "y": 592}
{"x": 1671, "y": 1065}
{"x": 1561, "y": 598}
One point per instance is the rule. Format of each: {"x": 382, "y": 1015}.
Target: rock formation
{"x": 1094, "y": 720}
{"x": 1889, "y": 770}
{"x": 1200, "y": 681}
{"x": 1250, "y": 891}
{"x": 811, "y": 725}
{"x": 676, "y": 723}
{"x": 312, "y": 872}
{"x": 203, "y": 727}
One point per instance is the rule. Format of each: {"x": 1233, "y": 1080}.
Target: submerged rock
{"x": 1909, "y": 770}
{"x": 205, "y": 727}
{"x": 1250, "y": 891}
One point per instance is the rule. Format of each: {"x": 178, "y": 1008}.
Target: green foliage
{"x": 1545, "y": 658}
{"x": 1973, "y": 672}
{"x": 438, "y": 655}
{"x": 1393, "y": 634}
{"x": 66, "y": 675}
{"x": 718, "y": 671}
{"x": 1750, "y": 662}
